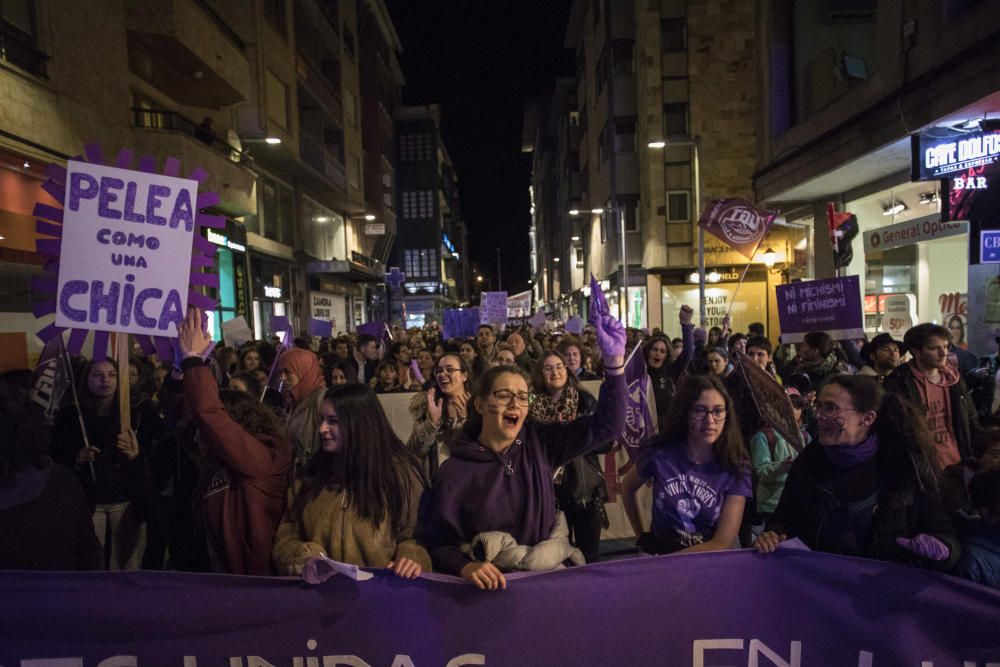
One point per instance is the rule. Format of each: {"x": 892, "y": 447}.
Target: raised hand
{"x": 192, "y": 338}
{"x": 685, "y": 314}
{"x": 434, "y": 407}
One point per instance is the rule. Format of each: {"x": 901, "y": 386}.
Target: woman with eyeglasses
{"x": 439, "y": 413}
{"x": 499, "y": 476}
{"x": 580, "y": 488}
{"x": 868, "y": 487}
{"x": 700, "y": 472}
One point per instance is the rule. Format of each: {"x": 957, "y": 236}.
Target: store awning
{"x": 344, "y": 270}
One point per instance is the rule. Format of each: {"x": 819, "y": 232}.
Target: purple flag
{"x": 50, "y": 379}
{"x": 321, "y": 328}
{"x": 738, "y": 223}
{"x": 377, "y": 328}
{"x": 638, "y": 417}
{"x": 279, "y": 323}
{"x": 574, "y": 325}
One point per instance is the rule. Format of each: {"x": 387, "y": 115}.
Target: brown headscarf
{"x": 306, "y": 365}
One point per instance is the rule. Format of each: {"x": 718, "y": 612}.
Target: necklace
{"x": 508, "y": 465}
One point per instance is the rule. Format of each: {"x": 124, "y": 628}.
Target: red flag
{"x": 737, "y": 223}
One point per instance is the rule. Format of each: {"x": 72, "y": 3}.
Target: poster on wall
{"x": 954, "y": 314}
{"x": 323, "y": 307}
{"x": 899, "y": 313}
{"x": 832, "y": 305}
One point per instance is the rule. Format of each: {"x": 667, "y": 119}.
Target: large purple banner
{"x": 730, "y": 608}
{"x": 832, "y": 305}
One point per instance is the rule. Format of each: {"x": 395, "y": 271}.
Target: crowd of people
{"x": 274, "y": 457}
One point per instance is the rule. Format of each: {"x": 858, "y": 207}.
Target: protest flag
{"x": 50, "y": 380}
{"x": 737, "y": 223}
{"x": 638, "y": 417}
{"x": 843, "y": 229}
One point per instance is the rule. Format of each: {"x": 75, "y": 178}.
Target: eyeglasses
{"x": 699, "y": 412}
{"x": 447, "y": 371}
{"x": 503, "y": 397}
{"x": 554, "y": 369}
{"x": 830, "y": 410}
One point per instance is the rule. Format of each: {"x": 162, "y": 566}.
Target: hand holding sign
{"x": 610, "y": 332}
{"x": 192, "y": 338}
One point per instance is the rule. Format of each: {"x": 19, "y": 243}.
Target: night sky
{"x": 481, "y": 60}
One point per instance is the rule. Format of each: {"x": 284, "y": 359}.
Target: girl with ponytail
{"x": 868, "y": 485}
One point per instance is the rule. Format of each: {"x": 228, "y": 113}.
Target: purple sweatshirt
{"x": 472, "y": 493}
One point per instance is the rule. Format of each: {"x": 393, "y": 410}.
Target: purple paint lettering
{"x": 171, "y": 310}
{"x": 140, "y": 300}
{"x": 183, "y": 211}
{"x": 153, "y": 202}
{"x": 128, "y": 296}
{"x": 108, "y": 197}
{"x": 69, "y": 290}
{"x": 100, "y": 301}
{"x": 81, "y": 186}
{"x": 129, "y": 212}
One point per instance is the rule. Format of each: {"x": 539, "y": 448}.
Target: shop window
{"x": 673, "y": 35}
{"x": 678, "y": 206}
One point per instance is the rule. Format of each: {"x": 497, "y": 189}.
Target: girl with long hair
{"x": 439, "y": 413}
{"x": 664, "y": 374}
{"x": 356, "y": 500}
{"x": 700, "y": 472}
{"x": 580, "y": 487}
{"x": 467, "y": 350}
{"x": 240, "y": 495}
{"x": 400, "y": 355}
{"x": 499, "y": 476}
{"x": 868, "y": 485}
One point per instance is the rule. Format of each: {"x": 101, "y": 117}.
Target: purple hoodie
{"x": 472, "y": 493}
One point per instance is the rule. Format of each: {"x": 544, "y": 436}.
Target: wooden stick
{"x": 120, "y": 342}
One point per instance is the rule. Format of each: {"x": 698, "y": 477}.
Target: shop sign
{"x": 321, "y": 307}
{"x": 223, "y": 240}
{"x": 832, "y": 305}
{"x": 940, "y": 152}
{"x": 272, "y": 292}
{"x": 900, "y": 313}
{"x": 374, "y": 229}
{"x": 928, "y": 228}
{"x": 989, "y": 246}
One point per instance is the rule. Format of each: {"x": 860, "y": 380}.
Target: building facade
{"x": 430, "y": 241}
{"x": 847, "y": 87}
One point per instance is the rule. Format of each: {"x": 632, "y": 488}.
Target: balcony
{"x": 187, "y": 51}
{"x": 163, "y": 133}
{"x": 314, "y": 154}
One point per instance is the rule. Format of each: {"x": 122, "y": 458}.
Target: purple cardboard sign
{"x": 493, "y": 308}
{"x": 321, "y": 328}
{"x": 832, "y": 305}
{"x": 461, "y": 323}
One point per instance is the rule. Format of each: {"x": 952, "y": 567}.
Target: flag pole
{"x": 76, "y": 403}
{"x": 743, "y": 277}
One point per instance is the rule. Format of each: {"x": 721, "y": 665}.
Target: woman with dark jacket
{"x": 664, "y": 374}
{"x": 580, "y": 488}
{"x": 111, "y": 463}
{"x": 868, "y": 487}
{"x": 240, "y": 495}
{"x": 499, "y": 476}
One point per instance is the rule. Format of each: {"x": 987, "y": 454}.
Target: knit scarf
{"x": 545, "y": 409}
{"x": 818, "y": 369}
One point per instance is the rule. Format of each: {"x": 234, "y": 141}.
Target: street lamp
{"x": 694, "y": 143}
{"x": 770, "y": 258}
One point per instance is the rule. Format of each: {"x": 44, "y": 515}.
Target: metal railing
{"x": 171, "y": 121}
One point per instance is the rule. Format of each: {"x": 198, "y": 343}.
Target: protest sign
{"x": 738, "y": 223}
{"x": 125, "y": 261}
{"x": 790, "y": 608}
{"x": 50, "y": 379}
{"x": 519, "y": 305}
{"x": 279, "y": 325}
{"x": 321, "y": 328}
{"x": 493, "y": 308}
{"x": 832, "y": 305}
{"x": 461, "y": 323}
{"x": 236, "y": 331}
{"x": 574, "y": 325}
{"x": 537, "y": 321}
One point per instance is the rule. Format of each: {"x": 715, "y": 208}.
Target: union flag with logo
{"x": 737, "y": 223}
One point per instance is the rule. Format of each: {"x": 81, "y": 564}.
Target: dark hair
{"x": 538, "y": 377}
{"x": 761, "y": 343}
{"x": 331, "y": 362}
{"x": 364, "y": 339}
{"x": 730, "y": 448}
{"x": 247, "y": 378}
{"x": 383, "y": 365}
{"x": 374, "y": 459}
{"x": 487, "y": 326}
{"x": 570, "y": 341}
{"x": 86, "y": 397}
{"x": 800, "y": 381}
{"x": 23, "y": 435}
{"x": 984, "y": 489}
{"x": 917, "y": 337}
{"x": 247, "y": 349}
{"x": 647, "y": 345}
{"x": 464, "y": 367}
{"x": 904, "y": 441}
{"x": 301, "y": 342}
{"x": 820, "y": 340}
{"x": 252, "y": 417}
{"x": 756, "y": 328}
{"x": 227, "y": 358}
{"x": 734, "y": 339}
{"x": 716, "y": 330}
{"x": 797, "y": 401}
{"x": 394, "y": 350}
{"x": 481, "y": 390}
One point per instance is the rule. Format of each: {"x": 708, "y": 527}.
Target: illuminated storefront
{"x": 233, "y": 294}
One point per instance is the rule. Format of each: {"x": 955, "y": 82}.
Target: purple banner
{"x": 726, "y": 608}
{"x": 461, "y": 323}
{"x": 638, "y": 418}
{"x": 832, "y": 305}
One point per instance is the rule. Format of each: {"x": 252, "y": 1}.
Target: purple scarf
{"x": 848, "y": 456}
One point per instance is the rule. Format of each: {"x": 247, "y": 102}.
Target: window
{"x": 673, "y": 35}
{"x": 277, "y": 100}
{"x": 274, "y": 10}
{"x": 420, "y": 263}
{"x": 19, "y": 37}
{"x": 276, "y": 209}
{"x": 350, "y": 108}
{"x": 601, "y": 71}
{"x": 416, "y": 147}
{"x": 625, "y": 136}
{"x": 675, "y": 118}
{"x": 630, "y": 210}
{"x": 678, "y": 206}
{"x": 622, "y": 50}
{"x": 603, "y": 144}
{"x": 578, "y": 252}
{"x": 417, "y": 205}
